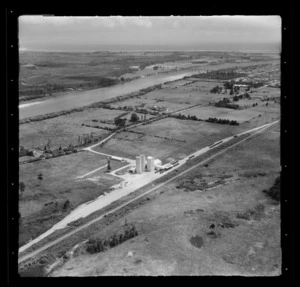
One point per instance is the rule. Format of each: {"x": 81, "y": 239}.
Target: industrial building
{"x": 150, "y": 163}
{"x": 157, "y": 164}
{"x": 144, "y": 163}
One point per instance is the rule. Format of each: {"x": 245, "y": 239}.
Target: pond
{"x": 197, "y": 241}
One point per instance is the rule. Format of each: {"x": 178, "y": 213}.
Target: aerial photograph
{"x": 149, "y": 146}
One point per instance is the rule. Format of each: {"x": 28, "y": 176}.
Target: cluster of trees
{"x": 216, "y": 90}
{"x": 254, "y": 104}
{"x": 274, "y": 191}
{"x": 222, "y": 121}
{"x": 95, "y": 245}
{"x": 49, "y": 89}
{"x": 225, "y": 103}
{"x": 225, "y": 74}
{"x": 134, "y": 118}
{"x": 120, "y": 122}
{"x": 86, "y": 139}
{"x": 228, "y": 85}
{"x": 184, "y": 117}
{"x": 243, "y": 96}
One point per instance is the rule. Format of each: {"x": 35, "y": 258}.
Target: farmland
{"x": 215, "y": 193}
{"x": 237, "y": 245}
{"x": 167, "y": 138}
{"x": 221, "y": 113}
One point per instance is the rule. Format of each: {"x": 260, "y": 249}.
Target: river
{"x": 83, "y": 98}
{"x": 78, "y": 99}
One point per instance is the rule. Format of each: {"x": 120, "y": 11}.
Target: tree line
{"x": 95, "y": 245}
{"x": 184, "y": 117}
{"x": 224, "y": 74}
{"x": 225, "y": 103}
{"x": 223, "y": 121}
{"x": 243, "y": 96}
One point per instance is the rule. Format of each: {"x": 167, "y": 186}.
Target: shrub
{"x": 274, "y": 191}
{"x": 34, "y": 271}
{"x": 95, "y": 245}
{"x": 66, "y": 204}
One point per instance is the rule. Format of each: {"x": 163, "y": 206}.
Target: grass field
{"x": 64, "y": 130}
{"x": 167, "y": 138}
{"x": 58, "y": 184}
{"x": 221, "y": 113}
{"x": 158, "y": 99}
{"x": 166, "y": 224}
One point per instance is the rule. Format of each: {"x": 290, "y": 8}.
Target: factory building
{"x": 157, "y": 164}
{"x": 138, "y": 164}
{"x": 150, "y": 163}
{"x": 144, "y": 163}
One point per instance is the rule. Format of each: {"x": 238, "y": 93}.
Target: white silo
{"x": 150, "y": 163}
{"x": 143, "y": 162}
{"x": 138, "y": 165}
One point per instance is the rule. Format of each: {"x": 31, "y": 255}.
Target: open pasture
{"x": 43, "y": 202}
{"x": 266, "y": 92}
{"x": 221, "y": 113}
{"x": 167, "y": 138}
{"x": 64, "y": 130}
{"x": 153, "y": 99}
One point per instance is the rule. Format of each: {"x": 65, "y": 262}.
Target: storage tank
{"x": 143, "y": 162}
{"x": 150, "y": 163}
{"x": 138, "y": 164}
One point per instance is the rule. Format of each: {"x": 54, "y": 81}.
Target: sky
{"x": 53, "y": 33}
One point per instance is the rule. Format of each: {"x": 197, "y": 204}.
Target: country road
{"x": 122, "y": 193}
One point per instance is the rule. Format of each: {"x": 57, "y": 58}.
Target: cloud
{"x": 106, "y": 22}
{"x": 39, "y": 19}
